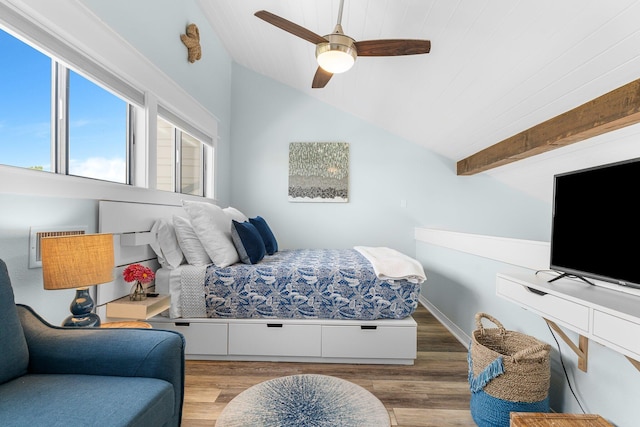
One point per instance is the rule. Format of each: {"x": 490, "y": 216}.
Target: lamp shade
{"x": 77, "y": 261}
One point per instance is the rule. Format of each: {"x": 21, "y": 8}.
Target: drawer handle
{"x": 536, "y": 291}
{"x": 368, "y": 327}
{"x": 182, "y": 323}
{"x": 274, "y": 325}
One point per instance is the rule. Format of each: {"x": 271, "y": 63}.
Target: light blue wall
{"x": 153, "y": 27}
{"x": 460, "y": 285}
{"x": 157, "y": 36}
{"x": 384, "y": 170}
{"x": 17, "y": 216}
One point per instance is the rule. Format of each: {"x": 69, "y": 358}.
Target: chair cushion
{"x": 85, "y": 400}
{"x": 14, "y": 357}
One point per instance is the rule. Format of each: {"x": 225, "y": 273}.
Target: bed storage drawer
{"x": 274, "y": 339}
{"x": 361, "y": 341}
{"x": 201, "y": 338}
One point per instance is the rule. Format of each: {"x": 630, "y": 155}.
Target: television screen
{"x": 596, "y": 225}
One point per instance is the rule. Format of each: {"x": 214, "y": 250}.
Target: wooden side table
{"x": 126, "y": 324}
{"x": 124, "y": 308}
{"x": 535, "y": 419}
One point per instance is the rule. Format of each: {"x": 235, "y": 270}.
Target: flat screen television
{"x": 596, "y": 223}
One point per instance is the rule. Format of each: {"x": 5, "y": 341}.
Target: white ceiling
{"x": 496, "y": 68}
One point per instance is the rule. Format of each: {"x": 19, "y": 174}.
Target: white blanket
{"x": 390, "y": 264}
{"x": 185, "y": 284}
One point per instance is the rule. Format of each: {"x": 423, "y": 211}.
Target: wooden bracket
{"x": 634, "y": 362}
{"x": 581, "y": 349}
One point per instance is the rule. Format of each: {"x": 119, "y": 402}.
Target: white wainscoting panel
{"x": 531, "y": 254}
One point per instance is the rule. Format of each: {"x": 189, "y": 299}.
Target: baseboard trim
{"x": 458, "y": 333}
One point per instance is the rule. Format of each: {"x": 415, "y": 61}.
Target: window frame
{"x": 205, "y": 163}
{"x": 43, "y": 29}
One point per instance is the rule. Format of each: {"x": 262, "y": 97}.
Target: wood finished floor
{"x": 431, "y": 393}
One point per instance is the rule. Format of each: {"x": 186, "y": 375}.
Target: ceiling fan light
{"x": 335, "y": 58}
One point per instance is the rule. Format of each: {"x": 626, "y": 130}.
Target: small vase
{"x": 138, "y": 293}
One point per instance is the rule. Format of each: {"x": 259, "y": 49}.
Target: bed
{"x": 290, "y": 284}
{"x": 320, "y": 305}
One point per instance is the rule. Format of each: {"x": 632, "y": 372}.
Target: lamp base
{"x": 81, "y": 309}
{"x": 91, "y": 320}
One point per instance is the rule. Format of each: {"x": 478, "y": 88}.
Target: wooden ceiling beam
{"x": 611, "y": 111}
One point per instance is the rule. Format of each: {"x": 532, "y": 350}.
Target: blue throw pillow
{"x": 248, "y": 242}
{"x": 270, "y": 243}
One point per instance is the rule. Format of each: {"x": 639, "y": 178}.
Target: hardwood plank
{"x": 415, "y": 417}
{"x": 202, "y": 394}
{"x": 433, "y": 391}
{"x": 611, "y": 111}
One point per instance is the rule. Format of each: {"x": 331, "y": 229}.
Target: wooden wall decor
{"x": 192, "y": 41}
{"x": 611, "y": 111}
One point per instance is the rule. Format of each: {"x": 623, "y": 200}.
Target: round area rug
{"x": 305, "y": 401}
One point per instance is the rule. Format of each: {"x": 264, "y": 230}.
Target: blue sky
{"x": 97, "y": 119}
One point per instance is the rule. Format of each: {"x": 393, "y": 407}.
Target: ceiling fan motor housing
{"x": 338, "y": 54}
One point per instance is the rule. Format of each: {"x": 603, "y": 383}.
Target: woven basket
{"x": 508, "y": 371}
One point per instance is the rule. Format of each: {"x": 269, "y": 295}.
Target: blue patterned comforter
{"x": 307, "y": 284}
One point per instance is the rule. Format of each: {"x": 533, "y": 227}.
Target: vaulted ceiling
{"x": 496, "y": 67}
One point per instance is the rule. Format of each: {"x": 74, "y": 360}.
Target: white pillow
{"x": 235, "y": 214}
{"x": 213, "y": 227}
{"x": 166, "y": 244}
{"x": 189, "y": 243}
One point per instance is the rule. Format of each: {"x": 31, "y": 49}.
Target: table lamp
{"x": 78, "y": 261}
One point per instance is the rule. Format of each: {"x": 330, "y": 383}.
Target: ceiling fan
{"x": 337, "y": 52}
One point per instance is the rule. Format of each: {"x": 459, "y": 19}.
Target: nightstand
{"x": 124, "y": 308}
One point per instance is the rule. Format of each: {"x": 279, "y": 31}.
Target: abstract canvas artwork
{"x": 319, "y": 172}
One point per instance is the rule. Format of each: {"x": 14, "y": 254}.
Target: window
{"x": 165, "y": 178}
{"x": 25, "y": 105}
{"x": 89, "y": 124}
{"x": 191, "y": 165}
{"x": 181, "y": 160}
{"x": 97, "y": 131}
{"x": 63, "y": 113}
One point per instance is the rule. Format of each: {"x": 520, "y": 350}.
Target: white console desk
{"x": 609, "y": 317}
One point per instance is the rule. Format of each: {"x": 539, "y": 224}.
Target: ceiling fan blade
{"x": 392, "y": 47}
{"x": 290, "y": 27}
{"x": 321, "y": 78}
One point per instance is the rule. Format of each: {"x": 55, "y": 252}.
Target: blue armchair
{"x": 57, "y": 376}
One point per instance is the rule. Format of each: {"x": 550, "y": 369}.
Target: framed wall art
{"x": 319, "y": 172}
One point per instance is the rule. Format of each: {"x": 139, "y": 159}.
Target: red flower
{"x": 138, "y": 273}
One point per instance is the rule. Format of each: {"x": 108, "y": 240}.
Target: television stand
{"x": 603, "y": 315}
{"x": 570, "y": 276}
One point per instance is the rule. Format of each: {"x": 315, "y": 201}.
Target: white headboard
{"x": 130, "y": 224}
